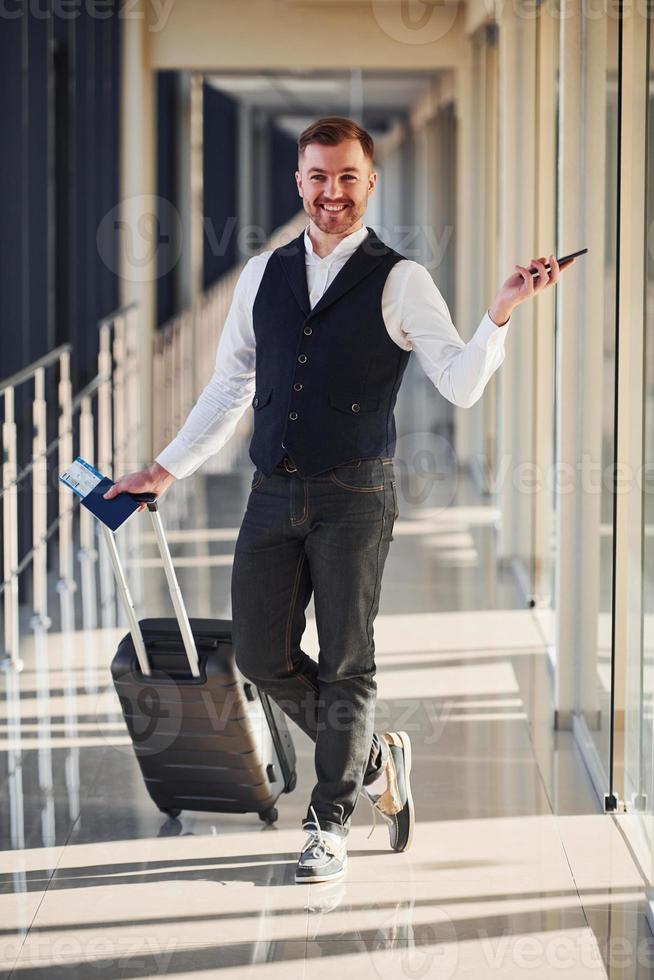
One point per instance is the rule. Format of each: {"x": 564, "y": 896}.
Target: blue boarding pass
{"x": 90, "y": 485}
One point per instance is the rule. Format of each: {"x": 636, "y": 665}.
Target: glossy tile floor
{"x": 513, "y": 872}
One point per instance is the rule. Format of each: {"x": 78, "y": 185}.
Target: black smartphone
{"x": 564, "y": 258}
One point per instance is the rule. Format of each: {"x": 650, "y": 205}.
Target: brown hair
{"x": 332, "y": 130}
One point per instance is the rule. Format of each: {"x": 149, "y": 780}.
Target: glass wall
{"x": 597, "y": 709}
{"x": 639, "y": 739}
{"x": 643, "y": 759}
{"x": 544, "y": 388}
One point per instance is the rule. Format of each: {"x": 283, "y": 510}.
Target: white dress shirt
{"x": 416, "y": 318}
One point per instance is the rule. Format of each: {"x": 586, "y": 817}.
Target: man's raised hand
{"x": 521, "y": 285}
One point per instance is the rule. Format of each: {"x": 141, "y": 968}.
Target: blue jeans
{"x": 328, "y": 535}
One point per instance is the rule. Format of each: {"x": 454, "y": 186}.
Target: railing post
{"x": 87, "y": 553}
{"x": 168, "y": 383}
{"x": 65, "y": 455}
{"x": 132, "y": 542}
{"x": 132, "y": 401}
{"x": 106, "y": 467}
{"x": 120, "y": 422}
{"x": 157, "y": 396}
{"x": 105, "y": 451}
{"x": 119, "y": 396}
{"x": 10, "y": 531}
{"x": 40, "y": 618}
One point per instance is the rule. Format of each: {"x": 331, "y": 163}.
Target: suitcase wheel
{"x": 292, "y": 783}
{"x": 270, "y": 815}
{"x": 171, "y": 812}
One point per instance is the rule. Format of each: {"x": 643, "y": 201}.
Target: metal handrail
{"x": 117, "y": 374}
{"x": 90, "y": 389}
{"x": 28, "y": 372}
{"x": 119, "y": 311}
{"x": 76, "y": 405}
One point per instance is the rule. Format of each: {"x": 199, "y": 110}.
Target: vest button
{"x": 302, "y": 358}
{"x": 292, "y": 416}
{"x": 308, "y": 331}
{"x": 297, "y": 386}
{"x": 355, "y": 407}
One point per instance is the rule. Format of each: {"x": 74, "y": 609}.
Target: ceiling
{"x": 375, "y": 99}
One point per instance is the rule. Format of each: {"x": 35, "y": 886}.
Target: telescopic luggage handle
{"x": 173, "y": 587}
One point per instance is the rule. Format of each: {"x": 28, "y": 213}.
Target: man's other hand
{"x": 154, "y": 479}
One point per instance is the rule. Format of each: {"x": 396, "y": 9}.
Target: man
{"x": 320, "y": 332}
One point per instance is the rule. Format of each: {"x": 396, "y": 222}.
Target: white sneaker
{"x": 323, "y": 857}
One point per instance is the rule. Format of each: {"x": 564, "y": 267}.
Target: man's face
{"x": 334, "y": 183}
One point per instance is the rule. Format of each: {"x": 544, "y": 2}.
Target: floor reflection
{"x": 513, "y": 870}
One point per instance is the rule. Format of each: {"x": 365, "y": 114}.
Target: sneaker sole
{"x": 310, "y": 880}
{"x": 406, "y": 745}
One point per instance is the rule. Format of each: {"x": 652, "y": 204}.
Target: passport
{"x": 89, "y": 485}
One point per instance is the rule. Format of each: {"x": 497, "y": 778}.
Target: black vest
{"x": 326, "y": 379}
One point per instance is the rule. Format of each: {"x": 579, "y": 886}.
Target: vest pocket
{"x": 352, "y": 403}
{"x": 261, "y": 398}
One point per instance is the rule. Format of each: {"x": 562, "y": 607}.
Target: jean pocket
{"x": 257, "y": 479}
{"x": 360, "y": 476}
{"x": 396, "y": 509}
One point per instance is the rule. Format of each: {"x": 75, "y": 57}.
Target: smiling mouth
{"x": 334, "y": 208}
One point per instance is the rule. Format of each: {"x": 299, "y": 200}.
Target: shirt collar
{"x": 346, "y": 247}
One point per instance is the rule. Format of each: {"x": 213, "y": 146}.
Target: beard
{"x": 337, "y": 223}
